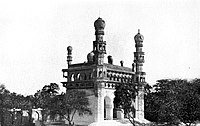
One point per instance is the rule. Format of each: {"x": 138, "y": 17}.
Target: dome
{"x": 90, "y": 57}
{"x": 139, "y": 37}
{"x": 99, "y": 24}
{"x": 69, "y": 48}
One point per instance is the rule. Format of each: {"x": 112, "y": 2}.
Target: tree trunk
{"x": 30, "y": 116}
{"x": 21, "y": 113}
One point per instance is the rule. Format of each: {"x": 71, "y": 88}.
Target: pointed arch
{"x": 72, "y": 77}
{"x": 108, "y": 106}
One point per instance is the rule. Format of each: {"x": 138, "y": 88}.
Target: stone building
{"x": 98, "y": 78}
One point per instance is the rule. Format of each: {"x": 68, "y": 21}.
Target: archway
{"x": 108, "y": 108}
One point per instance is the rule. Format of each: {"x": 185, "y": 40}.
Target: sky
{"x": 34, "y": 35}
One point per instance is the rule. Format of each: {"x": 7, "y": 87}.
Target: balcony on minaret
{"x": 139, "y": 59}
{"x": 138, "y": 53}
{"x": 138, "y": 44}
{"x": 99, "y": 47}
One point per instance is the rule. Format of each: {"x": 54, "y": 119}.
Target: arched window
{"x": 122, "y": 79}
{"x": 85, "y": 77}
{"x": 142, "y": 79}
{"x": 90, "y": 76}
{"x": 114, "y": 78}
{"x": 100, "y": 74}
{"x": 137, "y": 79}
{"x": 65, "y": 74}
{"x": 78, "y": 76}
{"x": 107, "y": 75}
{"x": 82, "y": 76}
{"x": 118, "y": 78}
{"x": 72, "y": 77}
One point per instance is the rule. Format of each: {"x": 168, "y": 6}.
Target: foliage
{"x": 48, "y": 99}
{"x": 51, "y": 89}
{"x": 42, "y": 98}
{"x": 173, "y": 101}
{"x": 189, "y": 110}
{"x": 11, "y": 107}
{"x": 124, "y": 98}
{"x": 67, "y": 104}
{"x": 4, "y": 102}
{"x": 64, "y": 105}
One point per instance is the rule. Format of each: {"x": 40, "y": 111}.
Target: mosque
{"x": 99, "y": 78}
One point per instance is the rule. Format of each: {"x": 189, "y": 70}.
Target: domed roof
{"x": 139, "y": 37}
{"x": 90, "y": 57}
{"x": 69, "y": 48}
{"x": 99, "y": 24}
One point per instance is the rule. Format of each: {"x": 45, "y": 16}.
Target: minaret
{"x": 99, "y": 46}
{"x": 69, "y": 55}
{"x": 139, "y": 75}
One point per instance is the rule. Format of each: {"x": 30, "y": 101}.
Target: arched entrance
{"x": 108, "y": 108}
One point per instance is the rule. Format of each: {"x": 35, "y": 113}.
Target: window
{"x": 72, "y": 77}
{"x": 90, "y": 76}
{"x": 78, "y": 76}
{"x": 100, "y": 74}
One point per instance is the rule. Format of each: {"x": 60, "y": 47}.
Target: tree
{"x": 151, "y": 104}
{"x": 189, "y": 97}
{"x": 174, "y": 101}
{"x": 124, "y": 98}
{"x": 67, "y": 104}
{"x": 51, "y": 89}
{"x": 42, "y": 98}
{"x": 161, "y": 104}
{"x": 4, "y": 103}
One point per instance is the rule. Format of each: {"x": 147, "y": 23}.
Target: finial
{"x": 139, "y": 37}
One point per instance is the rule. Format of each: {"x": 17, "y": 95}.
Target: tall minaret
{"x": 139, "y": 75}
{"x": 99, "y": 46}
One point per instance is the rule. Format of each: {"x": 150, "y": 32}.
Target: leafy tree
{"x": 124, "y": 98}
{"x": 4, "y": 101}
{"x": 42, "y": 98}
{"x": 189, "y": 97}
{"x": 51, "y": 89}
{"x": 9, "y": 103}
{"x": 174, "y": 101}
{"x": 67, "y": 104}
{"x": 161, "y": 105}
{"x": 28, "y": 104}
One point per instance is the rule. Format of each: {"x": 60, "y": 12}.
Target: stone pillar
{"x": 112, "y": 104}
{"x": 140, "y": 105}
{"x": 109, "y": 105}
{"x": 99, "y": 104}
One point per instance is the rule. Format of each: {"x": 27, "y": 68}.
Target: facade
{"x": 98, "y": 78}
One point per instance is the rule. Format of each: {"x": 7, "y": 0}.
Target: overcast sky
{"x": 34, "y": 36}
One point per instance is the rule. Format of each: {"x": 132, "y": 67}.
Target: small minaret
{"x": 139, "y": 75}
{"x": 99, "y": 46}
{"x": 69, "y": 55}
{"x": 122, "y": 63}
